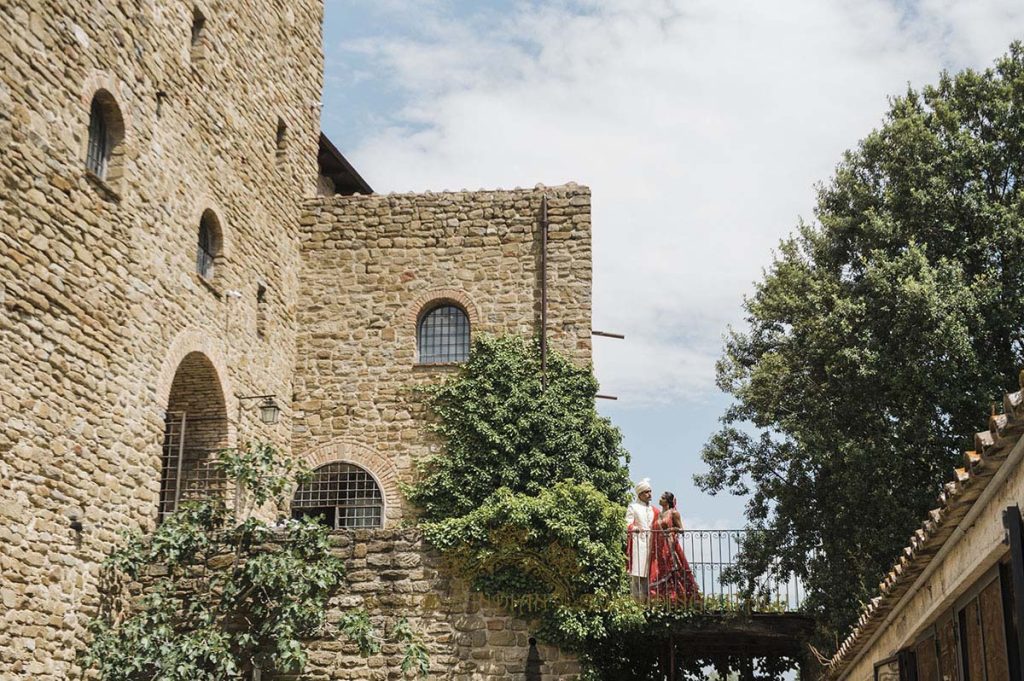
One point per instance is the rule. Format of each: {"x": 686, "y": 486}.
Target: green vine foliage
{"x": 525, "y": 501}
{"x": 214, "y": 593}
{"x": 503, "y": 429}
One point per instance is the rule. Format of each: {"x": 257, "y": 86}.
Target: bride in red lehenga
{"x": 672, "y": 579}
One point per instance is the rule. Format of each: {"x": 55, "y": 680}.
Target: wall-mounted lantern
{"x": 269, "y": 411}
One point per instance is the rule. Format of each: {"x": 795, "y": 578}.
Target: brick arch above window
{"x": 435, "y": 297}
{"x": 378, "y": 466}
{"x": 425, "y": 303}
{"x": 185, "y": 343}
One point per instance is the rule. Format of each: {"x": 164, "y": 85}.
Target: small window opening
{"x": 282, "y": 139}
{"x": 209, "y": 245}
{"x": 261, "y": 310}
{"x": 198, "y": 25}
{"x": 104, "y": 155}
{"x": 98, "y": 155}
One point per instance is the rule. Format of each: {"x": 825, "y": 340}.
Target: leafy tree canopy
{"x": 877, "y": 338}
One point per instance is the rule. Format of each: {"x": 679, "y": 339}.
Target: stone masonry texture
{"x": 373, "y": 264}
{"x": 106, "y": 328}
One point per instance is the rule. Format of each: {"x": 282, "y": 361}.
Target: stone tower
{"x": 169, "y": 264}
{"x": 132, "y": 131}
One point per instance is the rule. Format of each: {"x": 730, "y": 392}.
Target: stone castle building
{"x": 186, "y": 263}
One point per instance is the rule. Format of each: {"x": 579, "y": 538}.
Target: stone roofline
{"x": 996, "y": 451}
{"x": 567, "y": 189}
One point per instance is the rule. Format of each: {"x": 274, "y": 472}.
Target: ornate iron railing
{"x": 712, "y": 555}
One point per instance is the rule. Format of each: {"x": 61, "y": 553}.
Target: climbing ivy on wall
{"x": 214, "y": 593}
{"x": 525, "y": 502}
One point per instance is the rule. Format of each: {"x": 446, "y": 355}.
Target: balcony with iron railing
{"x": 713, "y": 557}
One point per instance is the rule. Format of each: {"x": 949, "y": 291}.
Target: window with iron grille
{"x": 189, "y": 471}
{"x": 98, "y": 153}
{"x": 207, "y": 252}
{"x": 340, "y": 495}
{"x": 443, "y": 335}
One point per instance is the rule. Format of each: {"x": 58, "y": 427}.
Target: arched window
{"x": 209, "y": 245}
{"x": 99, "y": 146}
{"x": 106, "y": 135}
{"x": 443, "y": 335}
{"x": 340, "y": 495}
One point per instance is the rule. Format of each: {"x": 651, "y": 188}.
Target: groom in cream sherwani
{"x": 640, "y": 517}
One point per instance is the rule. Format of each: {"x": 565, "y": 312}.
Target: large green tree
{"x": 877, "y": 339}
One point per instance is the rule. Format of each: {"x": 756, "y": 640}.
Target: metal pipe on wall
{"x": 544, "y": 291}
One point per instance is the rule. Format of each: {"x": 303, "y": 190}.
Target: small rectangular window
{"x": 261, "y": 310}
{"x": 96, "y": 157}
{"x": 281, "y": 140}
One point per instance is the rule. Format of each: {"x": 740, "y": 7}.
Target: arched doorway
{"x": 195, "y": 428}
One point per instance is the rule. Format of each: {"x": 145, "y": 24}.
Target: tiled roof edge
{"x": 991, "y": 447}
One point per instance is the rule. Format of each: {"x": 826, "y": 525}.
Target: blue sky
{"x": 701, "y": 126}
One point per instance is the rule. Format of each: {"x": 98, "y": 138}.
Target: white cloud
{"x": 701, "y": 127}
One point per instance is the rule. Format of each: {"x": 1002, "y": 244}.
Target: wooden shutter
{"x": 927, "y": 660}
{"x": 949, "y": 667}
{"x": 993, "y": 628}
{"x": 972, "y": 645}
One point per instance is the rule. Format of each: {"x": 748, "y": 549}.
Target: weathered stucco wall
{"x": 374, "y": 263}
{"x": 99, "y": 300}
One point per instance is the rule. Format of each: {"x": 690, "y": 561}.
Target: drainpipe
{"x": 544, "y": 291}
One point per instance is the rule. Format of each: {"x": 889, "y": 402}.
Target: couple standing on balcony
{"x": 658, "y": 569}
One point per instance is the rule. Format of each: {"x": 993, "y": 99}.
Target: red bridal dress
{"x": 671, "y": 577}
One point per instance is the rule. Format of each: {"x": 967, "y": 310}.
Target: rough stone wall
{"x": 99, "y": 300}
{"x": 392, "y": 575}
{"x": 372, "y": 264}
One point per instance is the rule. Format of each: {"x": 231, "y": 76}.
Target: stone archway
{"x": 195, "y": 427}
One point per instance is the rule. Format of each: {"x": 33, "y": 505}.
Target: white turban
{"x": 643, "y": 486}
